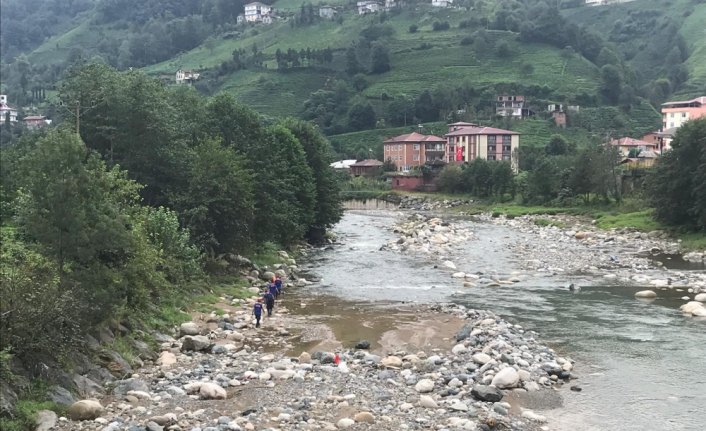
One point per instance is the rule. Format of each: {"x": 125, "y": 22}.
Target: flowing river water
{"x": 642, "y": 366}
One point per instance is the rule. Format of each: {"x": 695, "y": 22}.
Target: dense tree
{"x": 379, "y": 59}
{"x": 677, "y": 187}
{"x": 328, "y": 210}
{"x": 361, "y": 116}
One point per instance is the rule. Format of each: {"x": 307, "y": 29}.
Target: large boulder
{"x": 166, "y": 359}
{"x": 212, "y": 391}
{"x": 646, "y": 294}
{"x": 701, "y": 297}
{"x": 130, "y": 385}
{"x": 61, "y": 396}
{"x": 506, "y": 378}
{"x": 487, "y": 393}
{"x": 85, "y": 410}
{"x": 189, "y": 328}
{"x": 197, "y": 343}
{"x": 392, "y": 362}
{"x": 424, "y": 385}
{"x": 481, "y": 358}
{"x": 45, "y": 420}
{"x": 691, "y": 306}
{"x": 8, "y": 399}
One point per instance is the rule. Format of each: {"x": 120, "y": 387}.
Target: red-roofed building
{"x": 35, "y": 121}
{"x": 413, "y": 150}
{"x": 468, "y": 142}
{"x": 626, "y": 144}
{"x": 366, "y": 168}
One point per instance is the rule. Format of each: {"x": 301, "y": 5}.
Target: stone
{"x": 529, "y": 414}
{"x": 645, "y": 294}
{"x": 459, "y": 349}
{"x": 189, "y": 328}
{"x": 152, "y": 426}
{"x": 448, "y": 264}
{"x": 8, "y": 399}
{"x": 345, "y": 423}
{"x": 166, "y": 359}
{"x": 506, "y": 378}
{"x": 481, "y": 358}
{"x": 366, "y": 417}
{"x": 459, "y": 406}
{"x": 87, "y": 387}
{"x": 85, "y": 410}
{"x": 45, "y": 420}
{"x": 392, "y": 362}
{"x": 305, "y": 358}
{"x": 427, "y": 402}
{"x": 424, "y": 385}
{"x": 212, "y": 391}
{"x": 691, "y": 307}
{"x": 195, "y": 343}
{"x": 61, "y": 396}
{"x": 487, "y": 393}
{"x": 362, "y": 344}
{"x": 701, "y": 297}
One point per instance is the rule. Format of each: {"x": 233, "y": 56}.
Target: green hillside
{"x": 462, "y": 56}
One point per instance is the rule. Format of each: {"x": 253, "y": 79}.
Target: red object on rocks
{"x": 336, "y": 359}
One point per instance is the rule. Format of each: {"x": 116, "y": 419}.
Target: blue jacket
{"x": 257, "y": 308}
{"x": 269, "y": 299}
{"x": 272, "y": 288}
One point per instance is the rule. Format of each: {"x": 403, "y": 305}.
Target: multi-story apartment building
{"x": 257, "y": 12}
{"x": 413, "y": 150}
{"x": 674, "y": 114}
{"x": 466, "y": 142}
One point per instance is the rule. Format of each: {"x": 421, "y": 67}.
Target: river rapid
{"x": 641, "y": 365}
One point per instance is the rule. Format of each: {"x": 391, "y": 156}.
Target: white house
{"x": 327, "y": 12}
{"x": 389, "y": 4}
{"x": 367, "y": 6}
{"x": 442, "y": 3}
{"x": 186, "y": 76}
{"x": 6, "y": 109}
{"x": 254, "y": 12}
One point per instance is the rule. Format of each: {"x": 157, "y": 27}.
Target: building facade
{"x": 366, "y": 168}
{"x": 466, "y": 142}
{"x": 414, "y": 150}
{"x": 186, "y": 76}
{"x": 511, "y": 106}
{"x": 367, "y": 6}
{"x": 625, "y": 145}
{"x": 35, "y": 121}
{"x": 674, "y": 114}
{"x": 7, "y": 112}
{"x": 254, "y": 12}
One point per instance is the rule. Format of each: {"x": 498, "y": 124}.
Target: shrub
{"x": 440, "y": 26}
{"x": 413, "y": 28}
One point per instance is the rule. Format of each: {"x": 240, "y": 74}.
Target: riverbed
{"x": 640, "y": 364}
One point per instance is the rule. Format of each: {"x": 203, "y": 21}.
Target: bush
{"x": 468, "y": 40}
{"x": 440, "y": 26}
{"x": 413, "y": 28}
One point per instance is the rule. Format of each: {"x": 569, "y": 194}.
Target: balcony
{"x": 439, "y": 148}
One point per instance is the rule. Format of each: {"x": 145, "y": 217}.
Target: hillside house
{"x": 465, "y": 143}
{"x": 7, "y": 112}
{"x": 367, "y": 6}
{"x": 328, "y": 12}
{"x": 36, "y": 121}
{"x": 626, "y": 144}
{"x": 675, "y": 114}
{"x": 511, "y": 106}
{"x": 442, "y": 3}
{"x": 186, "y": 76}
{"x": 256, "y": 12}
{"x": 558, "y": 114}
{"x": 366, "y": 168}
{"x": 389, "y": 4}
{"x": 413, "y": 150}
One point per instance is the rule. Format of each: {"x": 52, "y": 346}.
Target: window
{"x": 506, "y": 140}
{"x": 491, "y": 157}
{"x": 415, "y": 158}
{"x": 491, "y": 149}
{"x": 683, "y": 114}
{"x": 506, "y": 157}
{"x": 671, "y": 115}
{"x": 491, "y": 140}
{"x": 506, "y": 148}
{"x": 416, "y": 147}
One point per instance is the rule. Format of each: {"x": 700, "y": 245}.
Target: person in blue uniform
{"x": 257, "y": 311}
{"x": 269, "y": 302}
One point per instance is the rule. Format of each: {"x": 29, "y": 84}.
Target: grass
{"x": 32, "y": 401}
{"x": 640, "y": 220}
{"x": 547, "y": 222}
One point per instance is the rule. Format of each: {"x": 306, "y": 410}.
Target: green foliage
{"x": 678, "y": 184}
{"x": 218, "y": 204}
{"x": 379, "y": 59}
{"x": 361, "y": 116}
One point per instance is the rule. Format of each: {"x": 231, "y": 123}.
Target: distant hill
{"x": 461, "y": 56}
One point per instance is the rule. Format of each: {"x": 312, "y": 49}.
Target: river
{"x": 642, "y": 366}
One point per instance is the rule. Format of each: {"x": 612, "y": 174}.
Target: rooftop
{"x": 413, "y": 137}
{"x": 477, "y": 130}
{"x": 631, "y": 142}
{"x": 698, "y": 100}
{"x": 368, "y": 162}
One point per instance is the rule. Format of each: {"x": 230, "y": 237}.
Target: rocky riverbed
{"x": 560, "y": 246}
{"x": 211, "y": 376}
